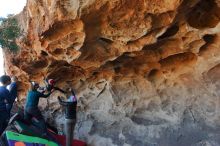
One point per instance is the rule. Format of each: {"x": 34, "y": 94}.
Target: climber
{"x": 31, "y": 107}
{"x": 4, "y": 99}
{"x": 13, "y": 91}
{"x": 70, "y": 115}
{"x": 50, "y": 85}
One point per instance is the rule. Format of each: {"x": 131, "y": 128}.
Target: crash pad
{"x": 16, "y": 139}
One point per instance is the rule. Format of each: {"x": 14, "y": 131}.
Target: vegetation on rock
{"x": 9, "y": 31}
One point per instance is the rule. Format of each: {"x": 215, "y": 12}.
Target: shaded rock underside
{"x": 146, "y": 72}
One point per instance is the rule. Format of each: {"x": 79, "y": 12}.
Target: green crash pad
{"x": 12, "y": 136}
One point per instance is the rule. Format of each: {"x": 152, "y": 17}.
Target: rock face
{"x": 146, "y": 72}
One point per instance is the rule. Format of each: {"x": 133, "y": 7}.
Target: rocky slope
{"x": 146, "y": 72}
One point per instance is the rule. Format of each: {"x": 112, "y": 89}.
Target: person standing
{"x": 13, "y": 91}
{"x": 4, "y": 98}
{"x": 70, "y": 115}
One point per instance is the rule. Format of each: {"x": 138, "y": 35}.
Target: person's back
{"x": 33, "y": 97}
{"x": 13, "y": 88}
{"x": 4, "y": 96}
{"x": 70, "y": 114}
{"x": 13, "y": 94}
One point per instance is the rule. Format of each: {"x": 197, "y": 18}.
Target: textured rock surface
{"x": 146, "y": 72}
